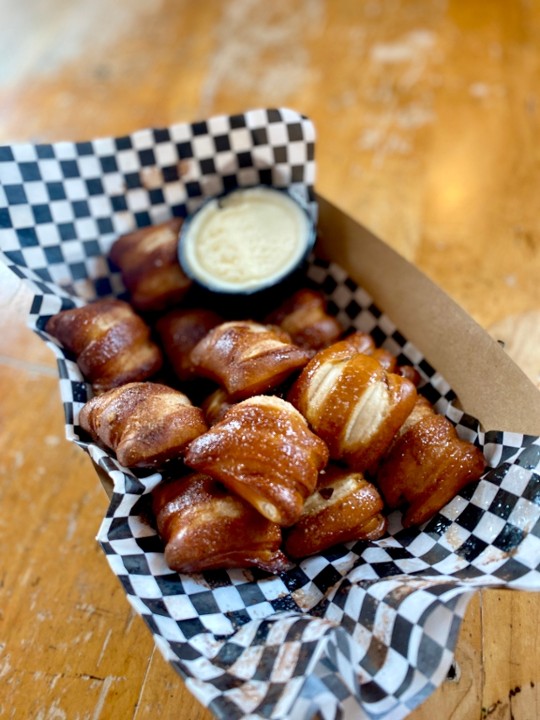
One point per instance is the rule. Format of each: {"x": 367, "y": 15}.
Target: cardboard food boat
{"x": 364, "y": 630}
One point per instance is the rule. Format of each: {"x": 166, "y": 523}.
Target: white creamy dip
{"x": 246, "y": 240}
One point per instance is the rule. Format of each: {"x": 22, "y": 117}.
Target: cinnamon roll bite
{"x": 146, "y": 424}
{"x": 111, "y": 343}
{"x": 344, "y": 507}
{"x": 148, "y": 262}
{"x": 427, "y": 465}
{"x": 264, "y": 451}
{"x": 352, "y": 403}
{"x": 205, "y": 527}
{"x": 247, "y": 358}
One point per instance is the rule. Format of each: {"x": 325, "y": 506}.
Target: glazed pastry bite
{"x": 146, "y": 424}
{"x": 215, "y": 406}
{"x": 111, "y": 343}
{"x": 179, "y": 331}
{"x": 305, "y": 318}
{"x": 343, "y": 508}
{"x": 247, "y": 358}
{"x": 148, "y": 262}
{"x": 411, "y": 373}
{"x": 427, "y": 465}
{"x": 352, "y": 403}
{"x": 204, "y": 527}
{"x": 264, "y": 451}
{"x": 391, "y": 364}
{"x": 364, "y": 343}
{"x": 385, "y": 358}
{"x": 360, "y": 342}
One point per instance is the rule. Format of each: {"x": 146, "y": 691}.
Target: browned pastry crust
{"x": 264, "y": 451}
{"x": 343, "y": 508}
{"x": 360, "y": 342}
{"x": 427, "y": 465}
{"x": 305, "y": 318}
{"x": 386, "y": 359}
{"x": 390, "y": 364}
{"x": 364, "y": 343}
{"x": 352, "y": 403}
{"x": 148, "y": 262}
{"x": 204, "y": 527}
{"x": 110, "y": 341}
{"x": 246, "y": 358}
{"x": 179, "y": 331}
{"x": 411, "y": 373}
{"x": 215, "y": 406}
{"x": 146, "y": 424}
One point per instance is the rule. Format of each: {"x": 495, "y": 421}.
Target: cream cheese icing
{"x": 246, "y": 240}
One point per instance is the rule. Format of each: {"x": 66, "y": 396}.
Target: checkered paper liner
{"x": 364, "y": 630}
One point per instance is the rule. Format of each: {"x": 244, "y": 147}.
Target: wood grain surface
{"x": 428, "y": 119}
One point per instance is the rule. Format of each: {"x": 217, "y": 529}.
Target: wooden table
{"x": 428, "y": 119}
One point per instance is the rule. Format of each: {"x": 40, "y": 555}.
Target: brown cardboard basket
{"x": 365, "y": 630}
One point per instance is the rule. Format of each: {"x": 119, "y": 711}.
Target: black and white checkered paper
{"x": 365, "y": 630}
